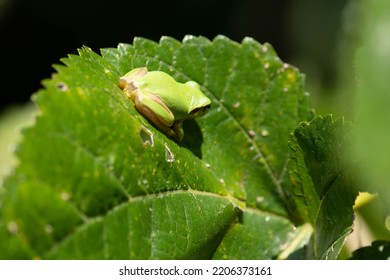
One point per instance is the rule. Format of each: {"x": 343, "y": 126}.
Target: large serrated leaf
{"x": 125, "y": 191}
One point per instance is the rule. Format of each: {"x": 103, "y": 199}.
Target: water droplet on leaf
{"x": 12, "y": 227}
{"x": 65, "y": 196}
{"x": 251, "y": 133}
{"x": 48, "y": 228}
{"x": 259, "y": 199}
{"x": 169, "y": 156}
{"x": 146, "y": 136}
{"x": 264, "y": 133}
{"x": 62, "y": 86}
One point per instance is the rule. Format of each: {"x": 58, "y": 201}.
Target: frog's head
{"x": 126, "y": 82}
{"x": 199, "y": 103}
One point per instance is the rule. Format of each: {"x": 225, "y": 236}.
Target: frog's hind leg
{"x": 157, "y": 114}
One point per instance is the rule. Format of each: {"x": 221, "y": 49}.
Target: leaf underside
{"x": 96, "y": 180}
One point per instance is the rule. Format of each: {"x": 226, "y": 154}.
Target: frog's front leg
{"x": 177, "y": 127}
{"x": 157, "y": 112}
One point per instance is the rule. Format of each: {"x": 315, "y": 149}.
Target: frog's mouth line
{"x": 198, "y": 112}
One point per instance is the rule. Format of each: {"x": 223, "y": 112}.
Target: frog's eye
{"x": 193, "y": 84}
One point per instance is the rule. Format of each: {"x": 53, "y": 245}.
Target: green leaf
{"x": 11, "y": 120}
{"x": 323, "y": 182}
{"x": 104, "y": 183}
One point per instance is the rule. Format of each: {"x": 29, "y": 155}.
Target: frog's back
{"x": 174, "y": 94}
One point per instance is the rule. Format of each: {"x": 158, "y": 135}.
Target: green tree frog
{"x": 163, "y": 101}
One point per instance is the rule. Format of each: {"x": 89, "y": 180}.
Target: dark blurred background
{"x": 36, "y": 33}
